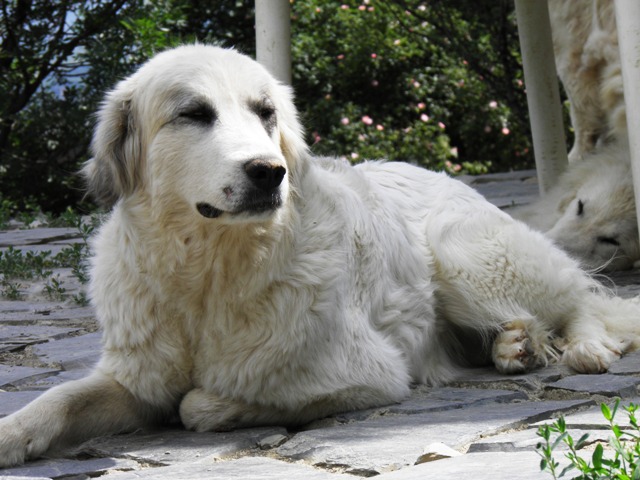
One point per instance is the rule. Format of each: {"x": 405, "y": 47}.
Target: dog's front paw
{"x": 205, "y": 412}
{"x": 592, "y": 356}
{"x": 513, "y": 350}
{"x": 17, "y": 444}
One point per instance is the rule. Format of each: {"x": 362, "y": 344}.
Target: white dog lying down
{"x": 591, "y": 211}
{"x": 585, "y": 40}
{"x": 240, "y": 282}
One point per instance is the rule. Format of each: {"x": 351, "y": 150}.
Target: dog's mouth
{"x": 251, "y": 205}
{"x": 208, "y": 211}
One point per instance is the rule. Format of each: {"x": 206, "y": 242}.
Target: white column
{"x": 273, "y": 37}
{"x": 543, "y": 94}
{"x": 628, "y": 22}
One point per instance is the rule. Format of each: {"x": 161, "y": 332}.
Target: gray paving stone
{"x": 527, "y": 439}
{"x": 36, "y": 236}
{"x": 476, "y": 466}
{"x": 46, "y": 383}
{"x": 385, "y": 443}
{"x": 489, "y": 377}
{"x": 592, "y": 418}
{"x": 13, "y": 401}
{"x": 74, "y": 352}
{"x": 65, "y": 468}
{"x": 258, "y": 468}
{"x": 605, "y": 384}
{"x": 179, "y": 446}
{"x": 34, "y": 334}
{"x": 45, "y": 312}
{"x": 629, "y": 364}
{"x": 15, "y": 376}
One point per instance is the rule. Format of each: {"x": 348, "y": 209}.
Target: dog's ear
{"x": 113, "y": 171}
{"x": 292, "y": 141}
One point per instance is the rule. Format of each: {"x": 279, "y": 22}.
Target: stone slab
{"x": 605, "y": 384}
{"x": 174, "y": 446}
{"x": 527, "y": 439}
{"x": 476, "y": 466}
{"x": 33, "y": 334}
{"x": 45, "y": 312}
{"x": 13, "y": 401}
{"x": 15, "y": 375}
{"x": 82, "y": 351}
{"x": 593, "y": 419}
{"x": 256, "y": 468}
{"x": 36, "y": 236}
{"x": 65, "y": 468}
{"x": 629, "y": 364}
{"x": 381, "y": 444}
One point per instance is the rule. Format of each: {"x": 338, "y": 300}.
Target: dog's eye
{"x": 201, "y": 114}
{"x": 580, "y": 207}
{"x": 266, "y": 112}
{"x": 609, "y": 241}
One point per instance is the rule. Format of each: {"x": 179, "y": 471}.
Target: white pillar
{"x": 273, "y": 37}
{"x": 628, "y": 22}
{"x": 543, "y": 94}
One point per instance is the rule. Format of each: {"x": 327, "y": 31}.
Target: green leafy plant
{"x": 623, "y": 444}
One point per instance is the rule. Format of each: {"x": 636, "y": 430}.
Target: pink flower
{"x": 362, "y": 8}
{"x": 367, "y": 120}
{"x": 374, "y": 55}
{"x": 344, "y": 121}
{"x": 379, "y": 127}
{"x": 340, "y": 57}
{"x": 416, "y": 84}
{"x": 362, "y": 138}
{"x": 493, "y": 104}
{"x": 344, "y": 7}
{"x": 421, "y": 106}
{"x": 318, "y": 9}
{"x": 375, "y": 83}
{"x": 441, "y": 125}
{"x": 397, "y": 42}
{"x": 454, "y": 151}
{"x": 354, "y": 155}
{"x": 505, "y": 131}
{"x": 316, "y": 137}
{"x": 371, "y": 9}
{"x": 424, "y": 117}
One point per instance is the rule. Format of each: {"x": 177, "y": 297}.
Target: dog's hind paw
{"x": 592, "y": 356}
{"x": 513, "y": 350}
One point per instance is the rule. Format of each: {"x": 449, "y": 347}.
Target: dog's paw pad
{"x": 513, "y": 351}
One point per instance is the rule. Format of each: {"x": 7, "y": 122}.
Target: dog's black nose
{"x": 265, "y": 174}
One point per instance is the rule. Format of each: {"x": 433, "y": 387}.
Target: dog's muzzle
{"x": 263, "y": 193}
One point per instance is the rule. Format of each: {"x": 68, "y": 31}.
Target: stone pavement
{"x": 482, "y": 426}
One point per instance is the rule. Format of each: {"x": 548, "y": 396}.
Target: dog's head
{"x": 597, "y": 220}
{"x": 200, "y": 125}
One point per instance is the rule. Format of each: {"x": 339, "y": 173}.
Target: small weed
{"x": 16, "y": 264}
{"x": 625, "y": 444}
{"x": 54, "y": 288}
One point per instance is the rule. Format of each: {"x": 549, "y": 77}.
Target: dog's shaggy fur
{"x": 240, "y": 282}
{"x": 591, "y": 211}
{"x": 585, "y": 40}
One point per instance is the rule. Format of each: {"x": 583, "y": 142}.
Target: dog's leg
{"x": 72, "y": 412}
{"x": 203, "y": 411}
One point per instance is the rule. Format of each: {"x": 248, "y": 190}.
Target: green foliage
{"x": 625, "y": 445}
{"x": 437, "y": 83}
{"x": 17, "y": 266}
{"x": 410, "y": 80}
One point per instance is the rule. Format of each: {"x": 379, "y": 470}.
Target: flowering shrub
{"x": 370, "y": 87}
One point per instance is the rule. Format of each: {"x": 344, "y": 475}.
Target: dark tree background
{"x": 435, "y": 82}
